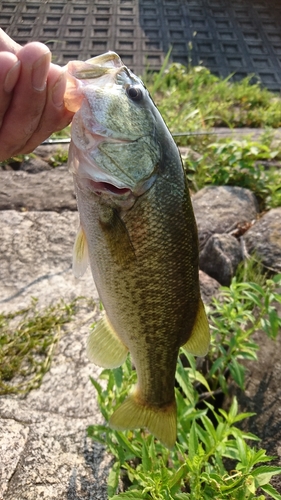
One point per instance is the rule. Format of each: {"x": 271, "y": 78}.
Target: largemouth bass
{"x": 138, "y": 232}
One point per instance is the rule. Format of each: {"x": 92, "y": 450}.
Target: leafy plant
{"x": 251, "y": 269}
{"x": 245, "y": 308}
{"x": 238, "y": 163}
{"x": 212, "y": 457}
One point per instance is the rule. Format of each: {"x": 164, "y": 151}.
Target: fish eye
{"x": 134, "y": 92}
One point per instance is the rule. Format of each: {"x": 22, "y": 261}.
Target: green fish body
{"x": 138, "y": 232}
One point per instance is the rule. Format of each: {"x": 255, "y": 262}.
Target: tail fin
{"x": 161, "y": 422}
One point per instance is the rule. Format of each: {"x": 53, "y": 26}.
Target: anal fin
{"x": 199, "y": 340}
{"x": 104, "y": 348}
{"x": 134, "y": 414}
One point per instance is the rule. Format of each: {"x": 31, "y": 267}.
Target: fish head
{"x": 115, "y": 152}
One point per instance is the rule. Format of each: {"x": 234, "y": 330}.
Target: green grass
{"x": 59, "y": 157}
{"x": 17, "y": 160}
{"x": 251, "y": 269}
{"x": 27, "y": 341}
{"x": 243, "y": 163}
{"x": 191, "y": 98}
{"x": 213, "y": 457}
{"x": 192, "y": 101}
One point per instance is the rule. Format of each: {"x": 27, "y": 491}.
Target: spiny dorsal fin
{"x": 80, "y": 254}
{"x": 199, "y": 340}
{"x": 134, "y": 414}
{"x": 104, "y": 348}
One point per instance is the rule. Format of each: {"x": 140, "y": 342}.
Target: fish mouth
{"x": 121, "y": 197}
{"x": 100, "y": 188}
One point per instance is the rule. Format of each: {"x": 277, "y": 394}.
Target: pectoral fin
{"x": 133, "y": 414}
{"x": 80, "y": 254}
{"x": 116, "y": 236}
{"x": 104, "y": 348}
{"x": 199, "y": 340}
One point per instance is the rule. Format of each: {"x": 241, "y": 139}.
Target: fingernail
{"x": 12, "y": 77}
{"x": 59, "y": 90}
{"x": 40, "y": 72}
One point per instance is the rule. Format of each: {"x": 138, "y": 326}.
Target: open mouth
{"x": 106, "y": 187}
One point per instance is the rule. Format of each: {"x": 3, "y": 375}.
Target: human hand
{"x": 31, "y": 96}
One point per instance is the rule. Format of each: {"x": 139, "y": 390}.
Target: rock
{"x": 220, "y": 257}
{"x": 47, "y": 190}
{"x": 264, "y": 239}
{"x": 31, "y": 165}
{"x": 209, "y": 287}
{"x": 36, "y": 259}
{"x": 34, "y": 166}
{"x": 47, "y": 151}
{"x": 187, "y": 152}
{"x": 48, "y": 453}
{"x": 45, "y": 452}
{"x": 13, "y": 437}
{"x": 219, "y": 209}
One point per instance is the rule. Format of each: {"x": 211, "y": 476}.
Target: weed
{"x": 59, "y": 157}
{"x": 238, "y": 163}
{"x": 245, "y": 308}
{"x": 213, "y": 457}
{"x": 192, "y": 99}
{"x": 251, "y": 269}
{"x": 17, "y": 160}
{"x": 27, "y": 341}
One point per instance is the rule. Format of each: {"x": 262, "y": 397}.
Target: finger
{"x": 9, "y": 74}
{"x": 7, "y": 44}
{"x": 55, "y": 116}
{"x": 28, "y": 101}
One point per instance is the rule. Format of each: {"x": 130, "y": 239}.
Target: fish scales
{"x": 144, "y": 260}
{"x": 155, "y": 292}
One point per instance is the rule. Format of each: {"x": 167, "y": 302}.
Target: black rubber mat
{"x": 238, "y": 37}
